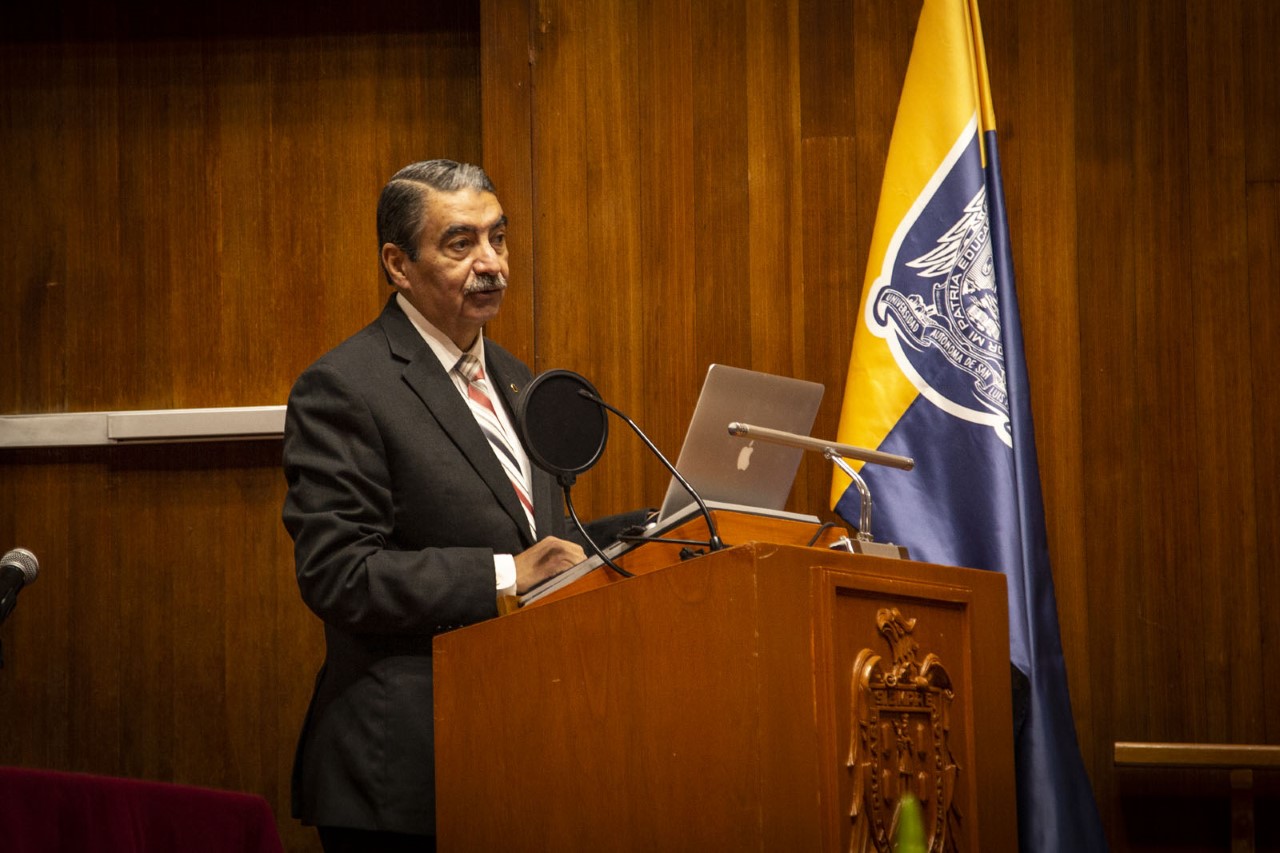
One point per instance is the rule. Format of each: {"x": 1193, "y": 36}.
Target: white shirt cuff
{"x": 504, "y": 571}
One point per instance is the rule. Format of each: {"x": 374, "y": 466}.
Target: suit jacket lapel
{"x": 433, "y": 386}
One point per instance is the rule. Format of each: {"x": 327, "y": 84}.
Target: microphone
{"x": 836, "y": 454}
{"x": 18, "y": 568}
{"x": 561, "y": 419}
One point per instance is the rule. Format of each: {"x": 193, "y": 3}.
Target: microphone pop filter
{"x": 563, "y": 431}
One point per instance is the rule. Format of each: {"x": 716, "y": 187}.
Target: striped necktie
{"x": 470, "y": 369}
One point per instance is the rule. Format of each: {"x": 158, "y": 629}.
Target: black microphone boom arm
{"x": 714, "y": 542}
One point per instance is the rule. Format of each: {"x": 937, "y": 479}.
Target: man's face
{"x": 459, "y": 277}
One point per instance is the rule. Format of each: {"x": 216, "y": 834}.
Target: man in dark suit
{"x": 411, "y": 505}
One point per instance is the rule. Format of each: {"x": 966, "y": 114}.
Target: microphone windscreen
{"x": 24, "y": 561}
{"x": 563, "y": 431}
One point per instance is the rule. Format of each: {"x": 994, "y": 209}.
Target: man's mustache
{"x": 485, "y": 282}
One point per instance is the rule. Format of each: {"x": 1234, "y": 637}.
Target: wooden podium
{"x": 765, "y": 697}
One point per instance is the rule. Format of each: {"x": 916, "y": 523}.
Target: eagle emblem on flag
{"x": 941, "y": 316}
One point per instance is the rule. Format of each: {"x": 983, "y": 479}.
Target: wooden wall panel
{"x": 667, "y": 141}
{"x": 34, "y": 319}
{"x": 668, "y": 164}
{"x": 588, "y": 334}
{"x": 1142, "y": 336}
{"x": 1261, "y": 33}
{"x": 716, "y": 270}
{"x": 198, "y": 190}
{"x": 1109, "y": 375}
{"x": 189, "y": 209}
{"x": 1165, "y": 371}
{"x": 1223, "y": 376}
{"x": 506, "y": 78}
{"x": 158, "y": 641}
{"x": 35, "y": 684}
{"x": 828, "y": 243}
{"x": 775, "y": 235}
{"x": 1264, "y": 339}
{"x": 775, "y": 249}
{"x": 191, "y": 224}
{"x": 675, "y": 246}
{"x": 1161, "y": 250}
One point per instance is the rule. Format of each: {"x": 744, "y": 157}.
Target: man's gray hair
{"x": 402, "y": 207}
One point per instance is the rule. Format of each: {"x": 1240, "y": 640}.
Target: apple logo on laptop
{"x": 744, "y": 456}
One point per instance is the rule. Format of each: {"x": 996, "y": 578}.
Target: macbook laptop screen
{"x": 729, "y": 469}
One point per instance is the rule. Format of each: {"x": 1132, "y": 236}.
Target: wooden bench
{"x": 1239, "y": 758}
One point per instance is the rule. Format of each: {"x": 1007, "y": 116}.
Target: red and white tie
{"x": 478, "y": 396}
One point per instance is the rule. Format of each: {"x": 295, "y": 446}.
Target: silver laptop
{"x": 730, "y": 469}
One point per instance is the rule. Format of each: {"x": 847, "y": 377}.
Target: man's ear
{"x": 394, "y": 261}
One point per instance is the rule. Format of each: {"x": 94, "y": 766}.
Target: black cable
{"x": 823, "y": 528}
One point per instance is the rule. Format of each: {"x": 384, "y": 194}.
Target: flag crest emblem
{"x": 940, "y": 314}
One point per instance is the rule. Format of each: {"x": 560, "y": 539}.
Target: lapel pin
{"x": 514, "y": 388}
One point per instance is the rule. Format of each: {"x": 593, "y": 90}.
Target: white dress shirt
{"x": 504, "y": 565}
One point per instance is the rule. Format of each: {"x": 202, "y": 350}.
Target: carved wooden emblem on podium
{"x": 899, "y": 742}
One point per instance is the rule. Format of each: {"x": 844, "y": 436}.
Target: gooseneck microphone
{"x": 18, "y": 568}
{"x": 714, "y": 543}
{"x": 562, "y": 422}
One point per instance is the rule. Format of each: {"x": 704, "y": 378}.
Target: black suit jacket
{"x": 396, "y": 505}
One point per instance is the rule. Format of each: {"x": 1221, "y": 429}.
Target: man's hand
{"x": 546, "y": 559}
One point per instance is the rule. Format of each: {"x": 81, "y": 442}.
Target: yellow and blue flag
{"x": 937, "y": 373}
